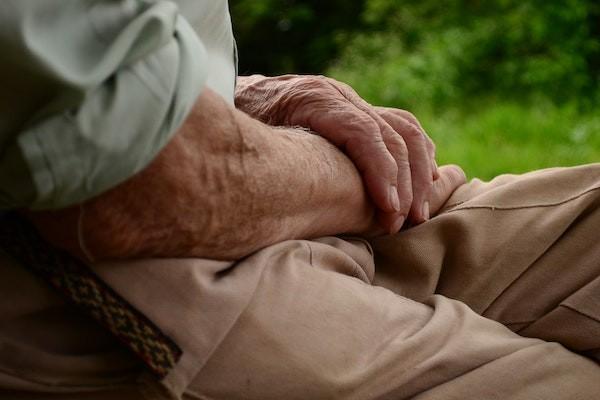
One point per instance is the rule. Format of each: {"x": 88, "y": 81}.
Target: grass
{"x": 488, "y": 138}
{"x": 485, "y": 137}
{"x": 497, "y": 138}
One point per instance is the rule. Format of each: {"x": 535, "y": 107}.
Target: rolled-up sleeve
{"x": 93, "y": 91}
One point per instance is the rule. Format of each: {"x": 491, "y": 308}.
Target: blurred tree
{"x": 508, "y": 46}
{"x": 282, "y": 36}
{"x": 430, "y": 51}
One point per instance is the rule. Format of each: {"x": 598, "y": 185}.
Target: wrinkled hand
{"x": 451, "y": 177}
{"x": 388, "y": 146}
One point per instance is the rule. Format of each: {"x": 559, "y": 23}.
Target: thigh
{"x": 51, "y": 350}
{"x": 522, "y": 250}
{"x": 316, "y": 328}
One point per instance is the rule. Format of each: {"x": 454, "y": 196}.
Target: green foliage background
{"x": 501, "y": 85}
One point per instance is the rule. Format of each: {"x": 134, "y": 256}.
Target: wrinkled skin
{"x": 388, "y": 146}
{"x": 225, "y": 186}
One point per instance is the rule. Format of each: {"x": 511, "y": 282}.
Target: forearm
{"x": 224, "y": 187}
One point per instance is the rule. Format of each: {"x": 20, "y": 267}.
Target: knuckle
{"x": 369, "y": 124}
{"x": 339, "y": 84}
{"x": 454, "y": 177}
{"x": 346, "y": 90}
{"x": 310, "y": 83}
{"x": 397, "y": 143}
{"x": 411, "y": 132}
{"x": 383, "y": 112}
{"x": 458, "y": 175}
{"x": 387, "y": 116}
{"x": 409, "y": 116}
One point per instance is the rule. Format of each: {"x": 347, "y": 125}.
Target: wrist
{"x": 344, "y": 206}
{"x": 225, "y": 186}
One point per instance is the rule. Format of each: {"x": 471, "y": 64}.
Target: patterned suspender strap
{"x": 81, "y": 286}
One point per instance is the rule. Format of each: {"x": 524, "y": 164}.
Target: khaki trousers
{"x": 497, "y": 297}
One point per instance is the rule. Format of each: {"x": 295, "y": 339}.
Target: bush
{"x": 426, "y": 52}
{"x": 284, "y": 36}
{"x": 505, "y": 137}
{"x": 500, "y": 85}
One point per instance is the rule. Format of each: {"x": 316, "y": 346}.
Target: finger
{"x": 360, "y": 137}
{"x": 420, "y": 165}
{"x": 392, "y": 222}
{"x": 451, "y": 177}
{"x": 405, "y": 184}
{"x": 414, "y": 121}
{"x": 411, "y": 168}
{"x": 434, "y": 166}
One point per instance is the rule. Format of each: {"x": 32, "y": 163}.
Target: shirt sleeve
{"x": 93, "y": 91}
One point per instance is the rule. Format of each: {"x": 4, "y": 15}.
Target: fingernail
{"x": 397, "y": 225}
{"x": 425, "y": 211}
{"x": 394, "y": 200}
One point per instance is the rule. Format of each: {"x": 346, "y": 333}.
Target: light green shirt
{"x": 91, "y": 90}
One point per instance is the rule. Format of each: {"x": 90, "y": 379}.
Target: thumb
{"x": 450, "y": 178}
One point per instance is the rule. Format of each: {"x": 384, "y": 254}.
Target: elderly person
{"x": 275, "y": 239}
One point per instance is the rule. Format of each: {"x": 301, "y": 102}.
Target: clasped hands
{"x": 224, "y": 169}
{"x": 388, "y": 146}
